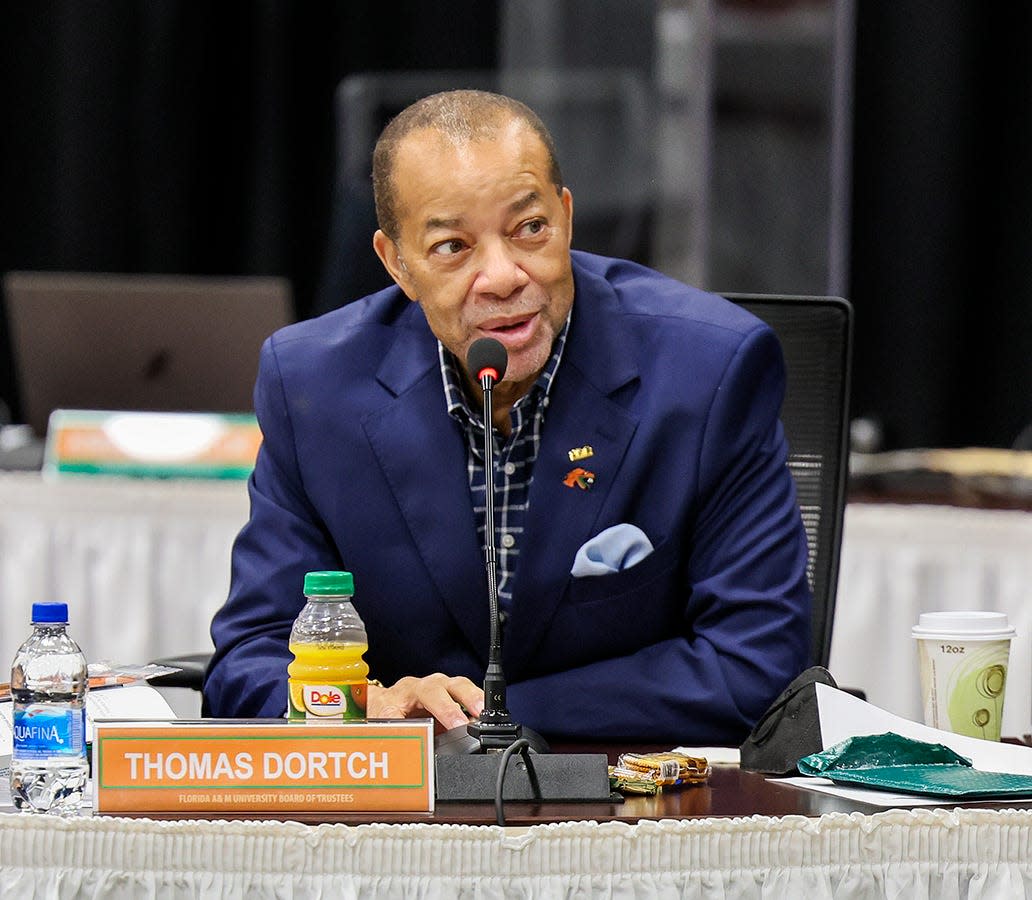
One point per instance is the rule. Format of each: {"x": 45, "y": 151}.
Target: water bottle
{"x": 48, "y": 685}
{"x": 327, "y": 678}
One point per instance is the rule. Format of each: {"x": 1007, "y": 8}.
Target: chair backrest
{"x": 598, "y": 117}
{"x": 816, "y": 338}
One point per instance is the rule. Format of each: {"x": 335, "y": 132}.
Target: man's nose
{"x": 499, "y": 272}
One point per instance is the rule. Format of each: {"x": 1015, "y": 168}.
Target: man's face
{"x": 484, "y": 244}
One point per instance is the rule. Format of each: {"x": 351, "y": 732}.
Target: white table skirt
{"x": 900, "y": 561}
{"x": 928, "y": 854}
{"x": 142, "y": 565}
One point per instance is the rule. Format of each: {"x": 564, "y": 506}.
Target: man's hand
{"x": 451, "y": 700}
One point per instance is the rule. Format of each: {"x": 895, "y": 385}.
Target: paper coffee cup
{"x": 963, "y": 658}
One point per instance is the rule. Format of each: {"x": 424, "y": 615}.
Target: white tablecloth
{"x": 928, "y": 854}
{"x": 142, "y": 565}
{"x": 900, "y": 561}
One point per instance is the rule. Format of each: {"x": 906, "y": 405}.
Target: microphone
{"x": 493, "y": 729}
{"x": 463, "y": 771}
{"x": 486, "y": 361}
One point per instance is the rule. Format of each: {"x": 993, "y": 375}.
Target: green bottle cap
{"x": 329, "y": 584}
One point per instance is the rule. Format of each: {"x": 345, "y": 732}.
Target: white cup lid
{"x": 973, "y": 624}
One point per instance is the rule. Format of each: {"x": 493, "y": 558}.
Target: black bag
{"x": 790, "y": 728}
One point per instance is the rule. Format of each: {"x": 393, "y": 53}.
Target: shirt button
{"x": 510, "y": 468}
{"x": 508, "y": 541}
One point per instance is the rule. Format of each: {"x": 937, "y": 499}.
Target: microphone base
{"x": 459, "y": 742}
{"x": 465, "y": 773}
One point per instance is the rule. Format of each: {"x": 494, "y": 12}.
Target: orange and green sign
{"x": 152, "y": 444}
{"x": 219, "y": 766}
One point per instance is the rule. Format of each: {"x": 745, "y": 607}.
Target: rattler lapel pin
{"x": 581, "y": 478}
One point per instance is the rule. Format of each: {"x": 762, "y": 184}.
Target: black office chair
{"x": 816, "y": 338}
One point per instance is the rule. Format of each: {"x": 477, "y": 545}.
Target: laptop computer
{"x": 167, "y": 343}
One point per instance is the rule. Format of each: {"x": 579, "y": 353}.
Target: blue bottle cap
{"x": 43, "y": 613}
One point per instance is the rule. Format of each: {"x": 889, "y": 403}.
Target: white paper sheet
{"x": 860, "y": 794}
{"x": 715, "y": 756}
{"x": 134, "y": 701}
{"x": 844, "y": 716}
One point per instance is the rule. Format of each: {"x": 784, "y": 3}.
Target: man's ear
{"x": 389, "y": 255}
{"x": 566, "y": 198}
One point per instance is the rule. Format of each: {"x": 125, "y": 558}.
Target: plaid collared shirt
{"x": 514, "y": 460}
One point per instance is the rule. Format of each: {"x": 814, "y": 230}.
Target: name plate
{"x": 151, "y": 444}
{"x": 216, "y": 766}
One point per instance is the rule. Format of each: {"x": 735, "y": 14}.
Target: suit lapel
{"x": 423, "y": 457}
{"x": 581, "y": 413}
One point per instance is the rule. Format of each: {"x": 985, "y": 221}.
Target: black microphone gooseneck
{"x": 494, "y": 728}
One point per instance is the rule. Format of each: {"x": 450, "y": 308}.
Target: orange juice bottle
{"x": 327, "y": 678}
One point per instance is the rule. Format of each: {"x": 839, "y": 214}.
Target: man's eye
{"x": 531, "y": 228}
{"x": 448, "y": 248}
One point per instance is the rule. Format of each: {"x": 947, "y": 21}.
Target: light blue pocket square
{"x": 613, "y": 550}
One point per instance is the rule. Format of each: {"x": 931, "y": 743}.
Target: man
{"x": 652, "y": 560}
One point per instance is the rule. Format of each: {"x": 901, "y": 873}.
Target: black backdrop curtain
{"x": 942, "y": 224}
{"x": 170, "y": 136}
{"x": 181, "y": 137}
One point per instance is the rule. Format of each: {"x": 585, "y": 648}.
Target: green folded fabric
{"x": 892, "y": 762}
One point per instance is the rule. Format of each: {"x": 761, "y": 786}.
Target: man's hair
{"x": 461, "y": 116}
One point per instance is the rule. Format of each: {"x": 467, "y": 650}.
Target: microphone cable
{"x": 521, "y": 746}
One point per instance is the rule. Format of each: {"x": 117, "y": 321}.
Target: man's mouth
{"x": 512, "y": 326}
{"x": 509, "y": 328}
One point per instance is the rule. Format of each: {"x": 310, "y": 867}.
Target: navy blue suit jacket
{"x": 678, "y": 394}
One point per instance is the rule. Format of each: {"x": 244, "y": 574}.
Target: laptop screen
{"x": 139, "y": 342}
